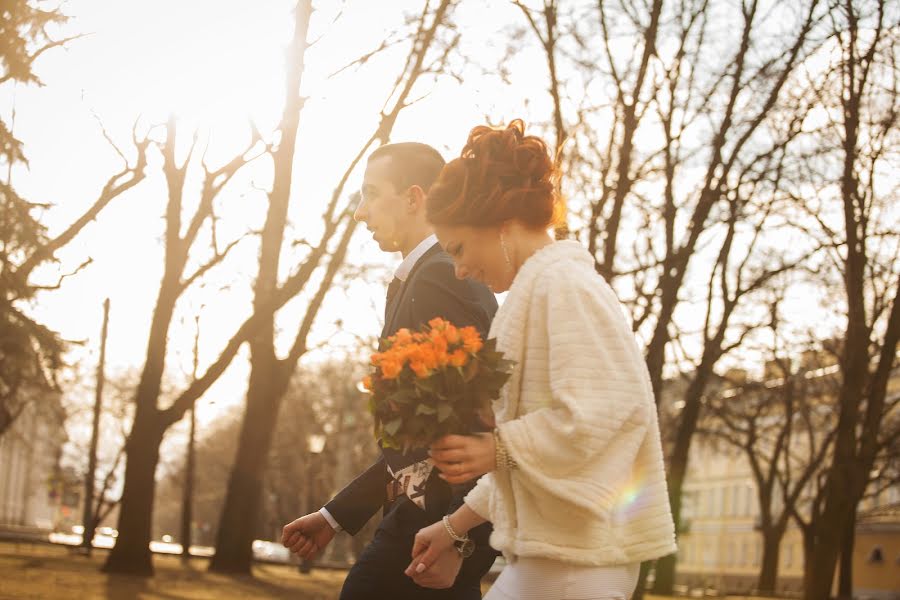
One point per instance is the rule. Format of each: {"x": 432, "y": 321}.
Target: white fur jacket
{"x": 578, "y": 417}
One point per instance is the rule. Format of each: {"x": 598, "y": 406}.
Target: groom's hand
{"x": 434, "y": 563}
{"x": 307, "y": 536}
{"x": 442, "y": 572}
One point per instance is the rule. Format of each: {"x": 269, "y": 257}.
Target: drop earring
{"x": 505, "y": 252}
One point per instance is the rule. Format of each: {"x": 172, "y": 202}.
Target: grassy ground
{"x": 43, "y": 572}
{"x": 37, "y": 571}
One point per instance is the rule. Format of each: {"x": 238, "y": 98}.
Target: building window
{"x": 876, "y": 556}
{"x": 735, "y": 500}
{"x": 893, "y": 494}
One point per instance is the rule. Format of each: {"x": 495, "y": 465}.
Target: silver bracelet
{"x": 456, "y": 537}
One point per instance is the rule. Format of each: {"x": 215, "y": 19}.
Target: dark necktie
{"x": 393, "y": 288}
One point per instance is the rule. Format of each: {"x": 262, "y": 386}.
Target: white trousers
{"x": 546, "y": 579}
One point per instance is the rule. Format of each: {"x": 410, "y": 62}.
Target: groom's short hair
{"x": 412, "y": 163}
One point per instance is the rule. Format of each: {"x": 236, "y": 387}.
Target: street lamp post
{"x": 315, "y": 443}
{"x": 187, "y": 500}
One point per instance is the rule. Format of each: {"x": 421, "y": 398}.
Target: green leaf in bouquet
{"x": 497, "y": 379}
{"x": 470, "y": 371}
{"x": 424, "y": 409}
{"x": 402, "y": 396}
{"x": 427, "y": 385}
{"x": 444, "y": 411}
{"x": 393, "y": 426}
{"x": 504, "y": 364}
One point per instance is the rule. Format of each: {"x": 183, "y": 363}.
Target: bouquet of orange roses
{"x": 432, "y": 383}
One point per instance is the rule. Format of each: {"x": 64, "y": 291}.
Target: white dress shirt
{"x": 405, "y": 268}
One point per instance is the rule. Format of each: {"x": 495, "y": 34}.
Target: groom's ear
{"x": 415, "y": 199}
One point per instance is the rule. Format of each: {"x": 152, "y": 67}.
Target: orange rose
{"x": 437, "y": 323}
{"x": 459, "y": 358}
{"x": 451, "y": 334}
{"x": 430, "y": 357}
{"x": 419, "y": 368}
{"x": 367, "y": 382}
{"x": 390, "y": 368}
{"x": 442, "y": 357}
{"x": 471, "y": 339}
{"x": 403, "y": 336}
{"x": 439, "y": 342}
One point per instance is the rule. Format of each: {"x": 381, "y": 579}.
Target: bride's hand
{"x": 430, "y": 543}
{"x": 461, "y": 458}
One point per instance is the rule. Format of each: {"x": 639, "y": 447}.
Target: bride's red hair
{"x": 501, "y": 175}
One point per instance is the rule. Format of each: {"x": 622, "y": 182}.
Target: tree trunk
{"x": 238, "y": 523}
{"x": 768, "y": 572}
{"x": 840, "y": 501}
{"x": 808, "y": 549}
{"x": 268, "y": 380}
{"x": 841, "y": 493}
{"x": 131, "y": 554}
{"x": 845, "y": 585}
{"x": 665, "y": 575}
{"x": 678, "y": 464}
{"x": 641, "y": 588}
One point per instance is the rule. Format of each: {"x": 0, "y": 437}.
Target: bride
{"x": 575, "y": 486}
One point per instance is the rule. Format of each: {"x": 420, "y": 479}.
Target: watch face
{"x": 465, "y": 548}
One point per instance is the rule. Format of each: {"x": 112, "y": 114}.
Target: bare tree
{"x": 270, "y": 374}
{"x": 632, "y": 99}
{"x": 855, "y": 152}
{"x": 131, "y": 554}
{"x": 744, "y": 268}
{"x": 783, "y": 426}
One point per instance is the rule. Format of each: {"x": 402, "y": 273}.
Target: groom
{"x": 405, "y": 486}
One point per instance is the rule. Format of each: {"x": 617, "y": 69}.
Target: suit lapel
{"x": 390, "y": 324}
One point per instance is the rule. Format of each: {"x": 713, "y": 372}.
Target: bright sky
{"x": 215, "y": 65}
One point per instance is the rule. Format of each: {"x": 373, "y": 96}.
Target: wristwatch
{"x": 465, "y": 548}
{"x": 462, "y": 543}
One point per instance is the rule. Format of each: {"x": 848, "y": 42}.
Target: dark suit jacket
{"x": 431, "y": 290}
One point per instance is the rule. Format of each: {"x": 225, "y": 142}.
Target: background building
{"x": 34, "y": 493}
